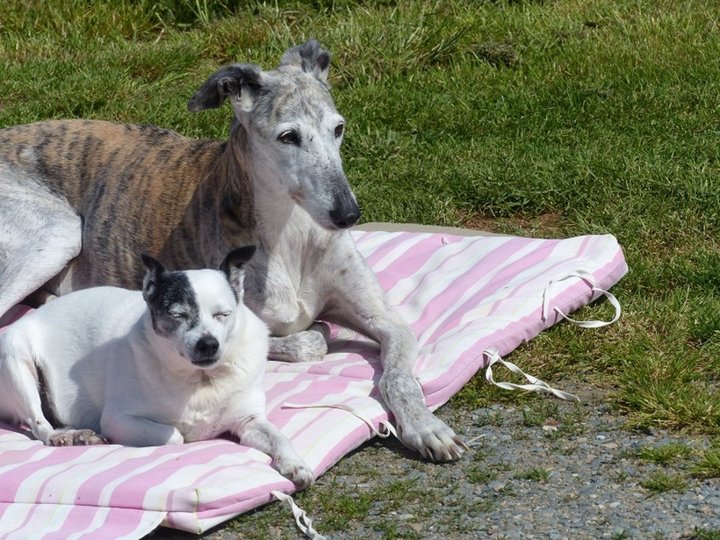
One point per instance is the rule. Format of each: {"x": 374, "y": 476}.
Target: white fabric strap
{"x": 302, "y": 520}
{"x": 590, "y": 280}
{"x": 536, "y": 385}
{"x": 385, "y": 430}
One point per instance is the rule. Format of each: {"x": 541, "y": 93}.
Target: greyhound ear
{"x": 153, "y": 270}
{"x": 310, "y": 57}
{"x": 233, "y": 267}
{"x": 239, "y": 82}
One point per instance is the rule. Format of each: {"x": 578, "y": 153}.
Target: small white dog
{"x": 181, "y": 361}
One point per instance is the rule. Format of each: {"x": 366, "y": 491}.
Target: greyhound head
{"x": 292, "y": 129}
{"x": 197, "y": 311}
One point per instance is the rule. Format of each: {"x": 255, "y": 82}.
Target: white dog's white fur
{"x": 184, "y": 364}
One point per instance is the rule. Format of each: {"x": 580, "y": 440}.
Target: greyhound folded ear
{"x": 153, "y": 270}
{"x": 233, "y": 267}
{"x": 310, "y": 57}
{"x": 239, "y": 82}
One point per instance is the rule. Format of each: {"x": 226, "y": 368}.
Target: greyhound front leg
{"x": 361, "y": 304}
{"x": 418, "y": 428}
{"x": 261, "y": 435}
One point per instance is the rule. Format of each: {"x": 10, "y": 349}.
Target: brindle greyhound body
{"x": 80, "y": 199}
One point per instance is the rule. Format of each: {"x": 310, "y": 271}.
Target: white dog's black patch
{"x": 170, "y": 298}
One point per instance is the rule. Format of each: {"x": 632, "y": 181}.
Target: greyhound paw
{"x": 432, "y": 439}
{"x": 295, "y": 470}
{"x": 76, "y": 437}
{"x": 311, "y": 346}
{"x": 306, "y": 346}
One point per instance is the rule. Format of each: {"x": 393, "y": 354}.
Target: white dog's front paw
{"x": 295, "y": 470}
{"x": 432, "y": 438}
{"x": 75, "y": 437}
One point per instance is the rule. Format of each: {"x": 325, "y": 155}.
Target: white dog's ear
{"x": 234, "y": 267}
{"x": 239, "y": 82}
{"x": 153, "y": 270}
{"x": 310, "y": 57}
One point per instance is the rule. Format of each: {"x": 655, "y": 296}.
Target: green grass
{"x": 708, "y": 466}
{"x": 537, "y": 118}
{"x": 661, "y": 482}
{"x": 665, "y": 454}
{"x": 703, "y": 534}
{"x": 481, "y": 474}
{"x": 535, "y": 474}
{"x": 343, "y": 507}
{"x": 537, "y": 415}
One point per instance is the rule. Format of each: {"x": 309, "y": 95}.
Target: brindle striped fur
{"x": 137, "y": 188}
{"x": 80, "y": 199}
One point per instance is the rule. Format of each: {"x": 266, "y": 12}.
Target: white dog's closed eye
{"x": 179, "y": 314}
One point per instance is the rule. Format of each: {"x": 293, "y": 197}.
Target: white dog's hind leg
{"x": 20, "y": 396}
{"x": 307, "y": 346}
{"x": 262, "y": 435}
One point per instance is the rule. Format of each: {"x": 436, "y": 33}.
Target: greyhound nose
{"x": 207, "y": 346}
{"x": 343, "y": 218}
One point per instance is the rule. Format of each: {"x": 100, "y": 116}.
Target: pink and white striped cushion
{"x": 462, "y": 295}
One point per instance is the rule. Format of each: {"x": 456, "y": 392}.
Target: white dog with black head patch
{"x": 183, "y": 360}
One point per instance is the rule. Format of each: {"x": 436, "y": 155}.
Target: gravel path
{"x": 547, "y": 469}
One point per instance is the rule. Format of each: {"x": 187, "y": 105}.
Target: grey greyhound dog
{"x": 79, "y": 199}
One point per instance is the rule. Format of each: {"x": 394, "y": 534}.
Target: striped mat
{"x": 462, "y": 295}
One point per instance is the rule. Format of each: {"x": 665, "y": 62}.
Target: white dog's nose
{"x": 207, "y": 346}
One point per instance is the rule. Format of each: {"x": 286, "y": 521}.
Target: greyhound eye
{"x": 179, "y": 315}
{"x": 339, "y": 129}
{"x": 221, "y": 316}
{"x": 289, "y": 137}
